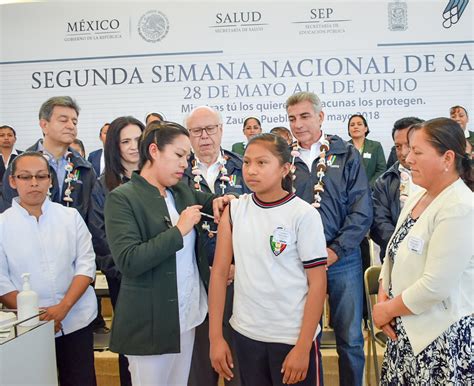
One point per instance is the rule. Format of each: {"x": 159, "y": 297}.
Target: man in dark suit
{"x": 7, "y": 150}
{"x": 96, "y": 158}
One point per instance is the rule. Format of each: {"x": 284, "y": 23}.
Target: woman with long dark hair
{"x": 121, "y": 159}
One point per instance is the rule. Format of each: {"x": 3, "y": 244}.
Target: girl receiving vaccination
{"x": 278, "y": 244}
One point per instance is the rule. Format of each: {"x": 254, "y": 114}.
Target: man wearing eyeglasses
{"x": 211, "y": 169}
{"x": 72, "y": 177}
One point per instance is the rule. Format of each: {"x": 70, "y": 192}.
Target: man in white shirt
{"x": 7, "y": 150}
{"x": 59, "y": 256}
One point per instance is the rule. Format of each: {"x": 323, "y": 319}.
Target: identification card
{"x": 367, "y": 155}
{"x": 281, "y": 235}
{"x": 415, "y": 244}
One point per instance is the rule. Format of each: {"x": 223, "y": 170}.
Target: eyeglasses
{"x": 29, "y": 177}
{"x": 210, "y": 130}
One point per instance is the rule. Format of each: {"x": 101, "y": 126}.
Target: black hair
{"x": 457, "y": 107}
{"x": 113, "y": 160}
{"x": 103, "y": 127}
{"x": 77, "y": 141}
{"x": 280, "y": 149}
{"x": 363, "y": 120}
{"x": 405, "y": 123}
{"x": 10, "y": 128}
{"x": 446, "y": 134}
{"x": 249, "y": 118}
{"x": 35, "y": 154}
{"x": 161, "y": 133}
{"x": 156, "y": 115}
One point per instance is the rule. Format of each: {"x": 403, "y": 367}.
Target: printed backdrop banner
{"x": 382, "y": 59}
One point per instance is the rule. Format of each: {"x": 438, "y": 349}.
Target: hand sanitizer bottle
{"x": 27, "y": 303}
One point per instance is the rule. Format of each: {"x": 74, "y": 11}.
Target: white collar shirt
{"x": 6, "y": 162}
{"x": 211, "y": 173}
{"x": 102, "y": 162}
{"x": 53, "y": 249}
{"x": 309, "y": 155}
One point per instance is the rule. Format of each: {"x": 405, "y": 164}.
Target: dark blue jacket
{"x": 96, "y": 224}
{"x": 346, "y": 206}
{"x": 81, "y": 189}
{"x": 94, "y": 159}
{"x": 234, "y": 168}
{"x": 386, "y": 197}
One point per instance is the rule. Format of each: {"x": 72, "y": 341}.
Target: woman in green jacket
{"x": 152, "y": 229}
{"x": 372, "y": 154}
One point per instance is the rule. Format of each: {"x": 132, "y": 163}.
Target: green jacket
{"x": 373, "y": 160}
{"x": 471, "y": 138}
{"x": 239, "y": 148}
{"x": 144, "y": 244}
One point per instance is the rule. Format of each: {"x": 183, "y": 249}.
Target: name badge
{"x": 367, "y": 155}
{"x": 415, "y": 244}
{"x": 281, "y": 235}
{"x": 279, "y": 240}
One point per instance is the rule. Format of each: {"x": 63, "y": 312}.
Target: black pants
{"x": 114, "y": 289}
{"x": 365, "y": 253}
{"x": 260, "y": 363}
{"x": 75, "y": 358}
{"x": 202, "y": 373}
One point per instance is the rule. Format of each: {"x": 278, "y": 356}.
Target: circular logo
{"x": 153, "y": 26}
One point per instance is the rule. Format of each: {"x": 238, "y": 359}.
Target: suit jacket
{"x": 94, "y": 159}
{"x": 235, "y": 185}
{"x": 2, "y": 165}
{"x": 144, "y": 244}
{"x": 433, "y": 269}
{"x": 239, "y": 148}
{"x": 386, "y": 199}
{"x": 373, "y": 160}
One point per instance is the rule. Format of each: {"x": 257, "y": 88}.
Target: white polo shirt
{"x": 273, "y": 244}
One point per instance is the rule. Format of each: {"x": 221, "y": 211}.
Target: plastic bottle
{"x": 27, "y": 303}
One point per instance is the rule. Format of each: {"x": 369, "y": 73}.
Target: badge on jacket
{"x": 415, "y": 244}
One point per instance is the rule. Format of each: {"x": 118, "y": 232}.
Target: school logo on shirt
{"x": 279, "y": 240}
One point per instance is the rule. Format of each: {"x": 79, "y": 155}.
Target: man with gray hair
{"x": 211, "y": 169}
{"x": 72, "y": 176}
{"x": 329, "y": 175}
